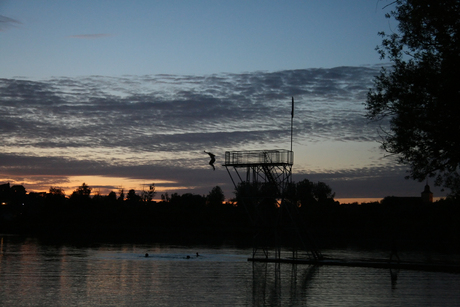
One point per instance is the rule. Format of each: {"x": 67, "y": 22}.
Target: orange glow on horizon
{"x": 359, "y": 200}
{"x": 368, "y": 200}
{"x": 99, "y": 184}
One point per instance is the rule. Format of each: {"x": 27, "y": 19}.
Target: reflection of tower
{"x": 427, "y": 195}
{"x": 263, "y": 179}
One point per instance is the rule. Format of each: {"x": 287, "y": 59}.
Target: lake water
{"x": 33, "y": 273}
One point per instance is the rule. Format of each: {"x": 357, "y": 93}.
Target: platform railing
{"x": 256, "y": 157}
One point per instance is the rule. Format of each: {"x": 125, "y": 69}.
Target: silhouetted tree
{"x": 55, "y": 197}
{"x": 247, "y": 194}
{"x": 81, "y": 196}
{"x": 187, "y": 201}
{"x": 174, "y": 196}
{"x": 148, "y": 195}
{"x": 256, "y": 191}
{"x": 165, "y": 197}
{"x": 57, "y": 191}
{"x": 82, "y": 191}
{"x": 132, "y": 197}
{"x": 420, "y": 93}
{"x": 322, "y": 192}
{"x": 305, "y": 192}
{"x": 97, "y": 197}
{"x": 122, "y": 194}
{"x": 112, "y": 197}
{"x": 258, "y": 200}
{"x": 215, "y": 196}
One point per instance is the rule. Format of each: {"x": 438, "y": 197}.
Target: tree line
{"x": 121, "y": 213}
{"x": 202, "y": 217}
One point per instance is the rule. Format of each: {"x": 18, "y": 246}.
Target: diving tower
{"x": 262, "y": 179}
{"x": 272, "y": 167}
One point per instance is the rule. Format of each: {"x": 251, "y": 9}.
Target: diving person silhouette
{"x": 213, "y": 159}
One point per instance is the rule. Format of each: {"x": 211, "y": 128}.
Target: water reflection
{"x": 394, "y": 277}
{"x": 34, "y": 273}
{"x": 274, "y": 283}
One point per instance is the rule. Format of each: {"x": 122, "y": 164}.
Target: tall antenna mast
{"x": 292, "y": 119}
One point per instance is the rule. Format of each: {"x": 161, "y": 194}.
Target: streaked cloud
{"x": 6, "y": 22}
{"x": 90, "y": 36}
{"x": 155, "y": 127}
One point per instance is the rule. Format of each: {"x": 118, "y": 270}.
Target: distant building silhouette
{"x": 427, "y": 195}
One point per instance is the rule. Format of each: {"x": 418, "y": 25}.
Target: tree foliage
{"x": 147, "y": 196}
{"x": 308, "y": 193}
{"x": 82, "y": 192}
{"x": 420, "y": 94}
{"x": 215, "y": 197}
{"x": 132, "y": 197}
{"x": 304, "y": 193}
{"x": 254, "y": 193}
{"x": 57, "y": 191}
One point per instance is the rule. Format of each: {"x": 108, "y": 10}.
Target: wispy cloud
{"x": 6, "y": 22}
{"x": 90, "y": 36}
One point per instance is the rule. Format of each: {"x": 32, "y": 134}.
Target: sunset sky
{"x": 120, "y": 94}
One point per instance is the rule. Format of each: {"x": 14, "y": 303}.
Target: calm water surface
{"x": 38, "y": 274}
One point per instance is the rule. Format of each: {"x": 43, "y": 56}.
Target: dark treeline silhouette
{"x": 407, "y": 222}
{"x": 118, "y": 215}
